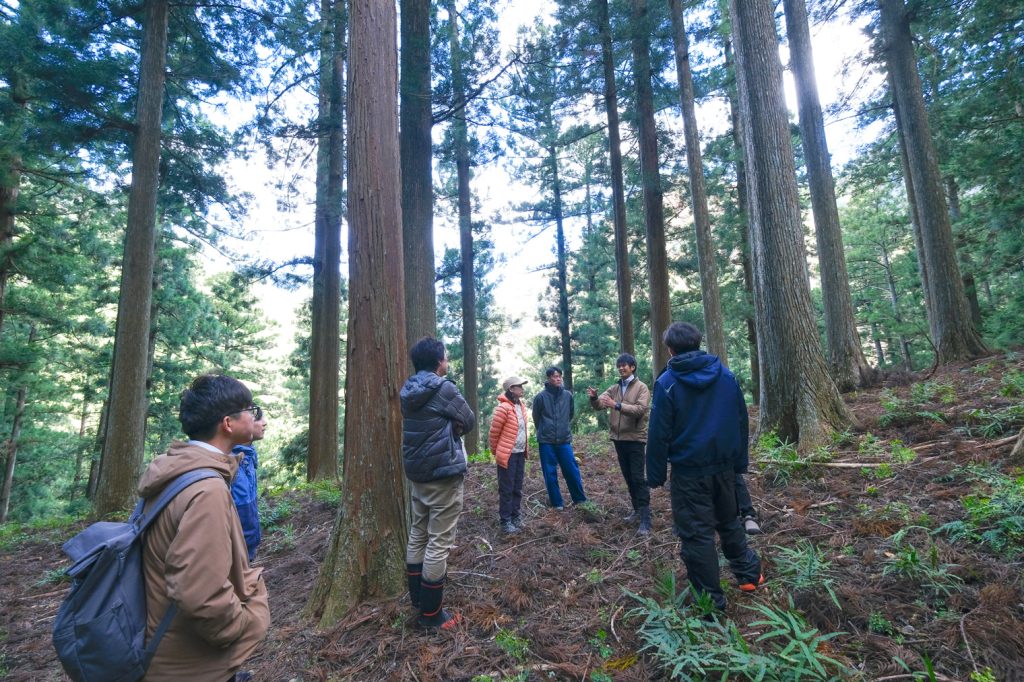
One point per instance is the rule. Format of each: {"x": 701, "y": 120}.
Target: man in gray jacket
{"x": 553, "y": 410}
{"x": 434, "y": 417}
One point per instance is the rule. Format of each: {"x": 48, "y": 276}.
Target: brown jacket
{"x": 629, "y": 423}
{"x": 505, "y": 428}
{"x": 195, "y": 555}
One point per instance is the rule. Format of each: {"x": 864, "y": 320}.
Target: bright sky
{"x": 278, "y": 234}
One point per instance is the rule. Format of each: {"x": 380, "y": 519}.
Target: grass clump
{"x": 804, "y": 567}
{"x": 993, "y": 514}
{"x": 782, "y": 461}
{"x": 692, "y": 643}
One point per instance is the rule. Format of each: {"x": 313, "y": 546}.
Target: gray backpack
{"x": 100, "y": 630}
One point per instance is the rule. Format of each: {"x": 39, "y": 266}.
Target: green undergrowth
{"x": 993, "y": 512}
{"x": 13, "y": 535}
{"x": 692, "y": 642}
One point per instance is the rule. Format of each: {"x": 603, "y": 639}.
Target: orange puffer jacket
{"x": 504, "y": 427}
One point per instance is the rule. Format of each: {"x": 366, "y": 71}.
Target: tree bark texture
{"x": 125, "y": 436}
{"x": 367, "y": 546}
{"x": 915, "y": 220}
{"x": 847, "y": 364}
{"x": 654, "y": 212}
{"x": 325, "y": 341}
{"x": 417, "y": 180}
{"x": 562, "y": 269}
{"x": 623, "y": 273}
{"x": 11, "y": 446}
{"x": 954, "y": 334}
{"x": 743, "y": 210}
{"x": 714, "y": 328}
{"x": 799, "y": 400}
{"x": 460, "y": 136}
{"x": 10, "y": 183}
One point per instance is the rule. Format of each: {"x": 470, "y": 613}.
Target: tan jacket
{"x": 195, "y": 555}
{"x": 630, "y": 422}
{"x": 505, "y": 428}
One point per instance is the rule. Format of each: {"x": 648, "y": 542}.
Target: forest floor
{"x": 857, "y": 540}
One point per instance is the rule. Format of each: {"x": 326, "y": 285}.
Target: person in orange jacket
{"x": 508, "y": 437}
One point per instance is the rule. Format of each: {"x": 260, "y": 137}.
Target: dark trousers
{"x": 510, "y": 486}
{"x": 631, "y": 462}
{"x": 743, "y": 501}
{"x": 702, "y": 506}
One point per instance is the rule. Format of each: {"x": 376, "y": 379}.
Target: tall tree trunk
{"x": 915, "y": 220}
{"x": 895, "y": 303}
{"x": 847, "y": 363}
{"x": 12, "y": 444}
{"x": 654, "y": 212}
{"x": 368, "y": 542}
{"x": 799, "y": 400}
{"x": 955, "y": 336}
{"x": 623, "y": 273}
{"x": 87, "y": 395}
{"x": 876, "y": 338}
{"x": 714, "y": 331}
{"x": 743, "y": 210}
{"x": 562, "y": 268}
{"x": 966, "y": 262}
{"x": 9, "y": 184}
{"x": 417, "y": 181}
{"x": 125, "y": 436}
{"x": 460, "y": 134}
{"x": 325, "y": 342}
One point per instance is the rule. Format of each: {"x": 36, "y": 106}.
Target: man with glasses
{"x": 195, "y": 554}
{"x": 245, "y": 488}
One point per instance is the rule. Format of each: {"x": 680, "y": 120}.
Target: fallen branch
{"x": 1001, "y": 442}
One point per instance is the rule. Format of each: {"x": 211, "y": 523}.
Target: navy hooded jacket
{"x": 698, "y": 420}
{"x": 245, "y": 492}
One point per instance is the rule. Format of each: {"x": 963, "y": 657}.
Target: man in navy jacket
{"x": 699, "y": 424}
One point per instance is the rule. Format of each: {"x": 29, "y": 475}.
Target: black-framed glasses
{"x": 255, "y": 410}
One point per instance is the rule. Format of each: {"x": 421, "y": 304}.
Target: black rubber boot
{"x": 413, "y": 573}
{"x": 432, "y": 615}
{"x": 645, "y": 521}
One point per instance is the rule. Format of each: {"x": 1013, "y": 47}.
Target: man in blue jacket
{"x": 699, "y": 424}
{"x": 245, "y": 488}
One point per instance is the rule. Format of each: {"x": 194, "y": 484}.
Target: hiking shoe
{"x": 632, "y": 517}
{"x": 509, "y": 527}
{"x": 750, "y": 587}
{"x": 559, "y": 508}
{"x": 750, "y": 526}
{"x": 518, "y": 521}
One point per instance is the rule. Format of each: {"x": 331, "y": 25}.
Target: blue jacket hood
{"x": 695, "y": 369}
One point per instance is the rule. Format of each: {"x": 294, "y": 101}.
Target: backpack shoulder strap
{"x": 169, "y": 493}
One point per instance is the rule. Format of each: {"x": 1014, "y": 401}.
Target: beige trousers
{"x": 436, "y": 506}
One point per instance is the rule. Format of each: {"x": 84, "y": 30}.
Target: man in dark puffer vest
{"x": 434, "y": 417}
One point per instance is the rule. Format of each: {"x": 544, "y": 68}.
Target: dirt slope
{"x": 549, "y": 603}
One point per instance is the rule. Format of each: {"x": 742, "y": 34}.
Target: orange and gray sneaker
{"x": 750, "y": 587}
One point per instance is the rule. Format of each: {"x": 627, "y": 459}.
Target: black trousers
{"x": 631, "y": 462}
{"x": 510, "y": 486}
{"x": 743, "y": 502}
{"x": 701, "y": 507}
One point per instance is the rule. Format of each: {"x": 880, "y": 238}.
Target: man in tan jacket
{"x": 195, "y": 553}
{"x": 629, "y": 400}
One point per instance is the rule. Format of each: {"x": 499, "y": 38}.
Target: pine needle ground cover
{"x": 897, "y": 552}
